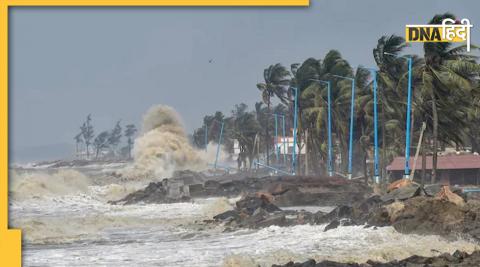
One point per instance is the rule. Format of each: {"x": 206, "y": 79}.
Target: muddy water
{"x": 72, "y": 225}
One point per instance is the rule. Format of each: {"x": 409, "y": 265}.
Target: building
{"x": 288, "y": 147}
{"x": 451, "y": 169}
{"x": 278, "y": 145}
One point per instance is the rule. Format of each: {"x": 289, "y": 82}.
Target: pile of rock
{"x": 457, "y": 259}
{"x": 412, "y": 209}
{"x": 166, "y": 191}
{"x": 258, "y": 211}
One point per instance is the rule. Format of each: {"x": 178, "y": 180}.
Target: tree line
{"x": 445, "y": 96}
{"x": 104, "y": 145}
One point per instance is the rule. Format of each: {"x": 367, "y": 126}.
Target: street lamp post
{"x": 295, "y": 122}
{"x": 409, "y": 110}
{"x": 352, "y": 110}
{"x": 329, "y": 131}
{"x": 276, "y": 137}
{"x": 376, "y": 172}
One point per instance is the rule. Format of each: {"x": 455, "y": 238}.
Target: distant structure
{"x": 288, "y": 146}
{"x": 452, "y": 169}
{"x": 278, "y": 145}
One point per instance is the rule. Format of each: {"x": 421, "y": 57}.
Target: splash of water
{"x": 163, "y": 147}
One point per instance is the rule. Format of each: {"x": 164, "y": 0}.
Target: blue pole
{"x": 294, "y": 131}
{"x": 409, "y": 107}
{"x": 350, "y": 145}
{"x": 218, "y": 146}
{"x": 330, "y": 153}
{"x": 284, "y": 147}
{"x": 276, "y": 137}
{"x": 206, "y": 137}
{"x": 375, "y": 126}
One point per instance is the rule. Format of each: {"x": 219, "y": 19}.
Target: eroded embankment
{"x": 287, "y": 190}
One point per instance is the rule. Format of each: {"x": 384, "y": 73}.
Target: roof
{"x": 449, "y": 162}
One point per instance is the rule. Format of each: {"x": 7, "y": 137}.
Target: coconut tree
{"x": 448, "y": 76}
{"x": 313, "y": 102}
{"x": 244, "y": 129}
{"x": 276, "y": 80}
{"x": 392, "y": 77}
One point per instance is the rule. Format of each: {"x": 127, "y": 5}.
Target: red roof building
{"x": 452, "y": 169}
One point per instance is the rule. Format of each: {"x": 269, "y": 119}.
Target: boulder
{"x": 227, "y": 215}
{"x": 432, "y": 189}
{"x": 250, "y": 203}
{"x": 407, "y": 191}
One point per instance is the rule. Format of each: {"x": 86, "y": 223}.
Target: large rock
{"x": 159, "y": 192}
{"x": 432, "y": 189}
{"x": 359, "y": 213}
{"x": 405, "y": 192}
{"x": 227, "y": 215}
{"x": 250, "y": 203}
{"x": 256, "y": 211}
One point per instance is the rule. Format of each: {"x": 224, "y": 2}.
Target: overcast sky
{"x": 116, "y": 62}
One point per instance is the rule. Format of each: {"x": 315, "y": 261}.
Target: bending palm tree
{"x": 276, "y": 81}
{"x": 448, "y": 77}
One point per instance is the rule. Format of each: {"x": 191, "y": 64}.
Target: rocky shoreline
{"x": 456, "y": 259}
{"x": 407, "y": 207}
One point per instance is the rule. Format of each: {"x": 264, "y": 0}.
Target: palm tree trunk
{"x": 435, "y": 137}
{"x": 365, "y": 165}
{"x": 299, "y": 142}
{"x": 384, "y": 150}
{"x": 424, "y": 160}
{"x": 306, "y": 151}
{"x": 267, "y": 134}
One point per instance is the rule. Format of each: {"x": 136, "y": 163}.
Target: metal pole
{"x": 407, "y": 133}
{"x": 376, "y": 173}
{"x": 330, "y": 153}
{"x": 276, "y": 137}
{"x": 350, "y": 145}
{"x": 218, "y": 146}
{"x": 284, "y": 144}
{"x": 294, "y": 131}
{"x": 206, "y": 137}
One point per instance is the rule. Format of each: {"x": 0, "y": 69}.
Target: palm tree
{"x": 313, "y": 103}
{"x": 390, "y": 71}
{"x": 276, "y": 80}
{"x": 244, "y": 129}
{"x": 448, "y": 77}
